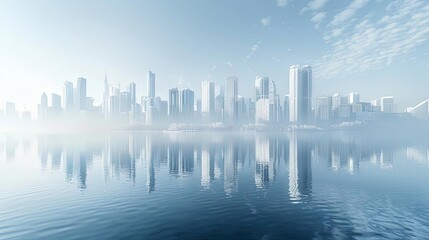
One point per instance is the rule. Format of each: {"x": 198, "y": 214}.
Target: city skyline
{"x": 221, "y": 106}
{"x": 44, "y": 45}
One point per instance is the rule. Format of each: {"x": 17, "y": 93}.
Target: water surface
{"x": 136, "y": 185}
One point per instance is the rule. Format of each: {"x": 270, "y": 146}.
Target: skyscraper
{"x": 354, "y": 98}
{"x": 10, "y": 112}
{"x": 300, "y": 93}
{"x": 207, "y": 100}
{"x": 262, "y": 85}
{"x": 267, "y": 100}
{"x": 387, "y": 104}
{"x": 55, "y": 109}
{"x": 133, "y": 101}
{"x": 173, "y": 104}
{"x": 80, "y": 94}
{"x": 106, "y": 95}
{"x": 230, "y": 105}
{"x": 68, "y": 98}
{"x": 151, "y": 84}
{"x": 186, "y": 104}
{"x": 43, "y": 107}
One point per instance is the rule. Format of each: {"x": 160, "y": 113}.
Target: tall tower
{"x": 68, "y": 99}
{"x": 300, "y": 93}
{"x": 80, "y": 94}
{"x": 261, "y": 88}
{"x": 230, "y": 104}
{"x": 43, "y": 107}
{"x": 150, "y": 84}
{"x": 187, "y": 104}
{"x": 106, "y": 96}
{"x": 173, "y": 104}
{"x": 207, "y": 100}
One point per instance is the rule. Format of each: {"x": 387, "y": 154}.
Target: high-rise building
{"x": 387, "y": 104}
{"x": 173, "y": 104}
{"x": 68, "y": 98}
{"x": 230, "y": 102}
{"x": 106, "y": 95}
{"x": 266, "y": 111}
{"x": 323, "y": 108}
{"x": 262, "y": 114}
{"x": 55, "y": 110}
{"x": 125, "y": 102}
{"x": 207, "y": 100}
{"x": 79, "y": 95}
{"x": 286, "y": 108}
{"x": 354, "y": 98}
{"x": 43, "y": 107}
{"x": 300, "y": 93}
{"x": 10, "y": 112}
{"x": 219, "y": 103}
{"x": 151, "y": 84}
{"x": 186, "y": 104}
{"x": 262, "y": 88}
{"x": 133, "y": 101}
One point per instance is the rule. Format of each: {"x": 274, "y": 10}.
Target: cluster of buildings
{"x": 219, "y": 105}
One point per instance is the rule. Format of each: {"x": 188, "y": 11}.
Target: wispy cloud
{"x": 349, "y": 11}
{"x": 371, "y": 43}
{"x": 315, "y": 5}
{"x": 255, "y": 48}
{"x": 318, "y": 18}
{"x": 282, "y": 3}
{"x": 266, "y": 21}
{"x": 229, "y": 64}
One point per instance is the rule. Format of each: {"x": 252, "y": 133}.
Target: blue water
{"x": 136, "y": 185}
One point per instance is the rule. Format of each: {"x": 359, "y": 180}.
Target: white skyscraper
{"x": 300, "y": 93}
{"x": 68, "y": 99}
{"x": 262, "y": 114}
{"x": 230, "y": 106}
{"x": 186, "y": 100}
{"x": 262, "y": 85}
{"x": 79, "y": 95}
{"x": 43, "y": 107}
{"x": 207, "y": 100}
{"x": 150, "y": 84}
{"x": 353, "y": 98}
{"x": 387, "y": 104}
{"x": 106, "y": 95}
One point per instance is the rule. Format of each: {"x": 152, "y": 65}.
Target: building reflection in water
{"x": 299, "y": 167}
{"x": 266, "y": 156}
{"x": 221, "y": 157}
{"x": 207, "y": 164}
{"x": 230, "y": 172}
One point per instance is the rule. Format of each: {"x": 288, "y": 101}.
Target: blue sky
{"x": 375, "y": 47}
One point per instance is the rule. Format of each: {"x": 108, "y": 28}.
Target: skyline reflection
{"x": 218, "y": 157}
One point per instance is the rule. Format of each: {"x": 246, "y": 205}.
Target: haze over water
{"x": 142, "y": 185}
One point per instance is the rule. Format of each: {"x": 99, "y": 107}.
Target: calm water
{"x": 214, "y": 186}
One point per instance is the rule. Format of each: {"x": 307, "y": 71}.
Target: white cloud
{"x": 213, "y": 68}
{"x": 371, "y": 43}
{"x": 282, "y": 3}
{"x": 349, "y": 12}
{"x": 266, "y": 21}
{"x": 229, "y": 64}
{"x": 254, "y": 49}
{"x": 315, "y": 5}
{"x": 318, "y": 18}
